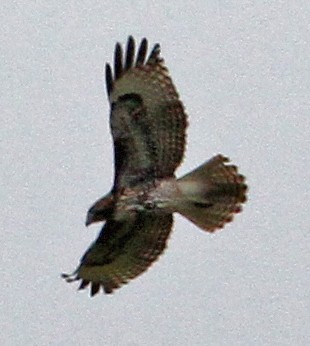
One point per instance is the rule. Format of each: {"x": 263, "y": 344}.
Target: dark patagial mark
{"x": 120, "y": 156}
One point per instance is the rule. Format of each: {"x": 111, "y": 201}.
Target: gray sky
{"x": 243, "y": 72}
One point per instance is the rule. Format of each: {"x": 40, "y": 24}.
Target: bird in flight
{"x": 148, "y": 126}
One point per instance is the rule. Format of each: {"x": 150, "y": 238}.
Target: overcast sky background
{"x": 242, "y": 69}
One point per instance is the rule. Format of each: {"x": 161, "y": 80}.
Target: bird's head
{"x": 100, "y": 210}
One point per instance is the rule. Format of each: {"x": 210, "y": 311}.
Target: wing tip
{"x": 70, "y": 277}
{"x": 118, "y": 61}
{"x": 142, "y": 52}
{"x": 107, "y": 288}
{"x": 154, "y": 55}
{"x": 130, "y": 52}
{"x": 124, "y": 62}
{"x": 109, "y": 79}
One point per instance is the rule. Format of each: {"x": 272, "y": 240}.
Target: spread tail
{"x": 213, "y": 193}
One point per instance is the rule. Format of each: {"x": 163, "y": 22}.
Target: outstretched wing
{"x": 148, "y": 121}
{"x": 122, "y": 251}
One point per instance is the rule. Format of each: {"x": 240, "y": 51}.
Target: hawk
{"x": 148, "y": 125}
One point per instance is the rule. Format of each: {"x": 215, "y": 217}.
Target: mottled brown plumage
{"x": 148, "y": 126}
